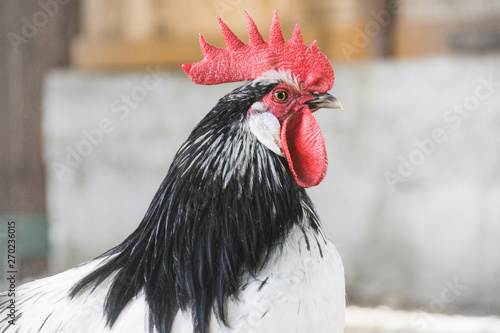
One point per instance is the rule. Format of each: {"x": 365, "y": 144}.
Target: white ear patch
{"x": 266, "y": 127}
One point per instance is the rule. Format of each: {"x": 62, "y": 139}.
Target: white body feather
{"x": 303, "y": 292}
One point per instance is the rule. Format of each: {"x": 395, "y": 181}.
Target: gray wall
{"x": 411, "y": 199}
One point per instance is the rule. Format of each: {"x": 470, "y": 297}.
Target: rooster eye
{"x": 280, "y": 96}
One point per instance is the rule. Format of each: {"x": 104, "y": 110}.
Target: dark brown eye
{"x": 280, "y": 96}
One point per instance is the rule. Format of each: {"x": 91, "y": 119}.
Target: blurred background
{"x": 94, "y": 106}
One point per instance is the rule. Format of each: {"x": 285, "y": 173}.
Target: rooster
{"x": 231, "y": 242}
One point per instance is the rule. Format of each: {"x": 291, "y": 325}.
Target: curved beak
{"x": 325, "y": 100}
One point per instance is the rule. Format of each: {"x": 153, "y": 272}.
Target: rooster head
{"x": 299, "y": 78}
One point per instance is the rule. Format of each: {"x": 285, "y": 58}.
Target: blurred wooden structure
{"x": 438, "y": 27}
{"x": 136, "y": 33}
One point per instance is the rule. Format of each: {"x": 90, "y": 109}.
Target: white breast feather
{"x": 303, "y": 293}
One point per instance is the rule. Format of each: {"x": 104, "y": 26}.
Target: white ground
{"x": 386, "y": 320}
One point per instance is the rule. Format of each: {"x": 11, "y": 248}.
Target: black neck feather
{"x": 224, "y": 205}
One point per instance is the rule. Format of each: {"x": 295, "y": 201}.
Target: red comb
{"x": 240, "y": 61}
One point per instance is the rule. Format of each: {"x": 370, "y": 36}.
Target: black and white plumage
{"x": 230, "y": 242}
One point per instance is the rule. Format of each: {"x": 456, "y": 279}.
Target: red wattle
{"x": 304, "y": 148}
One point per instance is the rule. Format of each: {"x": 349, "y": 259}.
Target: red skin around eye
{"x": 292, "y": 105}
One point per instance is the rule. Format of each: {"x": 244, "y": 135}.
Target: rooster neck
{"x": 226, "y": 203}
